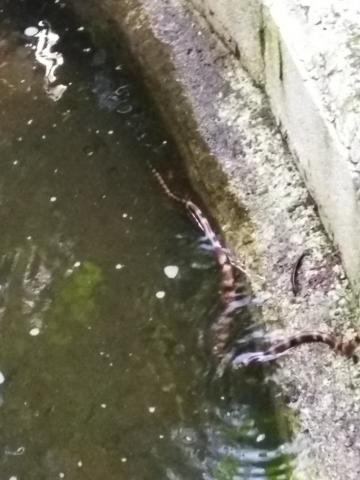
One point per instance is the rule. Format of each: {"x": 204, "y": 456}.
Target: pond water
{"x": 104, "y": 367}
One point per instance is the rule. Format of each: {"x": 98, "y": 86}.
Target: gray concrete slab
{"x": 306, "y": 55}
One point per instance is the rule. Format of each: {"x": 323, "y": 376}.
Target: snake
{"x": 221, "y": 328}
{"x": 338, "y": 344}
{"x": 230, "y": 301}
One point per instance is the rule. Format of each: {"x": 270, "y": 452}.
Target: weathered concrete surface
{"x": 240, "y": 26}
{"x": 236, "y": 156}
{"x": 307, "y": 55}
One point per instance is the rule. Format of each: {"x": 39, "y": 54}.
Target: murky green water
{"x": 106, "y": 368}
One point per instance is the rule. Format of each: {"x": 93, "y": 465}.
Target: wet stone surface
{"x": 105, "y": 292}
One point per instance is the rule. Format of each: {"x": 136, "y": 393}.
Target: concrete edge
{"x": 303, "y": 53}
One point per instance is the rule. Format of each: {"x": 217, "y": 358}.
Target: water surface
{"x": 105, "y": 359}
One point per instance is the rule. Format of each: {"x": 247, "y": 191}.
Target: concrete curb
{"x": 306, "y": 55}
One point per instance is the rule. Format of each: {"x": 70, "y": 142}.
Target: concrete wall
{"x": 240, "y": 25}
{"x": 307, "y": 56}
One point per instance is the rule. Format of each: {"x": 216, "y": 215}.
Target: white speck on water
{"x": 151, "y": 409}
{"x": 61, "y": 474}
{"x": 103, "y": 196}
{"x": 19, "y": 139}
{"x": 19, "y": 451}
{"x": 171, "y": 271}
{"x": 31, "y": 31}
{"x": 90, "y": 154}
{"x": 77, "y": 264}
{"x": 13, "y": 478}
{"x": 53, "y": 199}
{"x": 80, "y": 29}
{"x": 2, "y": 378}
{"x": 119, "y": 266}
{"x": 30, "y": 121}
{"x": 15, "y": 162}
{"x": 188, "y": 438}
{"x": 118, "y": 67}
{"x": 34, "y": 331}
{"x": 124, "y": 459}
{"x": 56, "y": 170}
{"x": 111, "y": 364}
{"x": 29, "y": 237}
{"x": 79, "y": 464}
{"x": 111, "y": 132}
{"x": 124, "y": 215}
{"x": 97, "y": 132}
{"x": 87, "y": 49}
{"x": 161, "y": 436}
{"x": 160, "y": 294}
{"x": 260, "y": 437}
{"x": 102, "y": 354}
{"x": 103, "y": 405}
{"x": 54, "y": 125}
{"x": 43, "y": 137}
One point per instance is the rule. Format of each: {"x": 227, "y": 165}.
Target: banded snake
{"x": 222, "y": 327}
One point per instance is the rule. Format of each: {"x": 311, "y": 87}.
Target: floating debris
{"x": 171, "y": 271}
{"x": 31, "y": 31}
{"x": 34, "y": 332}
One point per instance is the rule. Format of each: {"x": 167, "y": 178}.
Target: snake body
{"x": 230, "y": 302}
{"x": 221, "y": 328}
{"x": 343, "y": 347}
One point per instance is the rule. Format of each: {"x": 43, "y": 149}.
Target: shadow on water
{"x": 105, "y": 369}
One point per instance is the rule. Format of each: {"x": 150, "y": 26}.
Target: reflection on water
{"x": 105, "y": 293}
{"x": 51, "y": 60}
